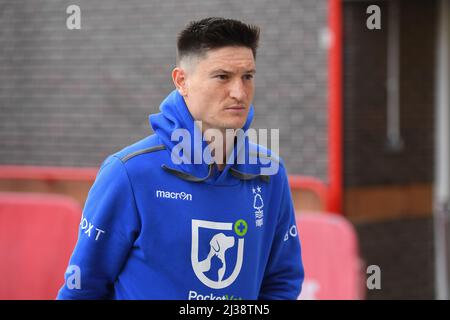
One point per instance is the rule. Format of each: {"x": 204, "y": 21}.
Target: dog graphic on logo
{"x": 219, "y": 244}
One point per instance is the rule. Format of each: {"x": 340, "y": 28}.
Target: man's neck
{"x": 226, "y": 150}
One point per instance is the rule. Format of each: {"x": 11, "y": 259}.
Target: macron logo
{"x": 174, "y": 195}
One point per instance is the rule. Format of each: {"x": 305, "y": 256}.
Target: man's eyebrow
{"x": 252, "y": 71}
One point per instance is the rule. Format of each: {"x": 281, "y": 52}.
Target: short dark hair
{"x": 214, "y": 33}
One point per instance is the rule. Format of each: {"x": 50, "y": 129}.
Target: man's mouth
{"x": 236, "y": 108}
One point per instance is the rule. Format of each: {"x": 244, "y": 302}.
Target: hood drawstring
{"x": 187, "y": 176}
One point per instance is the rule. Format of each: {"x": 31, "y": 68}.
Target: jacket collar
{"x": 190, "y": 164}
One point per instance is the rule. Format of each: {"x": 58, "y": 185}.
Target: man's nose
{"x": 237, "y": 90}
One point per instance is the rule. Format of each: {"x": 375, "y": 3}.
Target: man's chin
{"x": 234, "y": 125}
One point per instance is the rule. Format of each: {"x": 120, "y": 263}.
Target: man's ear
{"x": 179, "y": 80}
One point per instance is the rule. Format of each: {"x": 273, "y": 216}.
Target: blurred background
{"x": 360, "y": 96}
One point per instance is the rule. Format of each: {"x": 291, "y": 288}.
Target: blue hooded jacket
{"x": 155, "y": 228}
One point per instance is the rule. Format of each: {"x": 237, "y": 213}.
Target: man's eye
{"x": 248, "y": 77}
{"x": 222, "y": 76}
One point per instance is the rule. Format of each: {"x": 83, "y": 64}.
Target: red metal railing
{"x": 49, "y": 174}
{"x": 335, "y": 156}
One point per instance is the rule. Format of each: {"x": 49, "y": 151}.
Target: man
{"x": 171, "y": 217}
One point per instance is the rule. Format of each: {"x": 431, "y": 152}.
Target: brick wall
{"x": 71, "y": 97}
{"x": 399, "y": 237}
{"x": 404, "y": 251}
{"x": 367, "y": 158}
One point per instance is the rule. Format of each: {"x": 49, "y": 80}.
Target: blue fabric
{"x": 147, "y": 233}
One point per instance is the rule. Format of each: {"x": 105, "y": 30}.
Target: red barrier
{"x": 37, "y": 235}
{"x": 312, "y": 184}
{"x": 296, "y": 182}
{"x": 330, "y": 256}
{"x": 47, "y": 173}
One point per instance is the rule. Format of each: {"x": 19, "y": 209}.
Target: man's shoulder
{"x": 262, "y": 154}
{"x": 265, "y": 162}
{"x": 131, "y": 159}
{"x": 150, "y": 145}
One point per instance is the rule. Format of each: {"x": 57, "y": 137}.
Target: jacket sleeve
{"x": 284, "y": 274}
{"x": 107, "y": 230}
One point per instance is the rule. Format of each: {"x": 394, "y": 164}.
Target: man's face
{"x": 219, "y": 87}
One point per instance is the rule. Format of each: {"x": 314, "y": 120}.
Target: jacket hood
{"x": 174, "y": 125}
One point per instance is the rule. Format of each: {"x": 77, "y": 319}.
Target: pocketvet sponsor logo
{"x": 194, "y": 295}
{"x": 174, "y": 195}
{"x": 221, "y": 239}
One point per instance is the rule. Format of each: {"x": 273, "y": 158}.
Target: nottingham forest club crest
{"x": 217, "y": 251}
{"x": 258, "y": 205}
